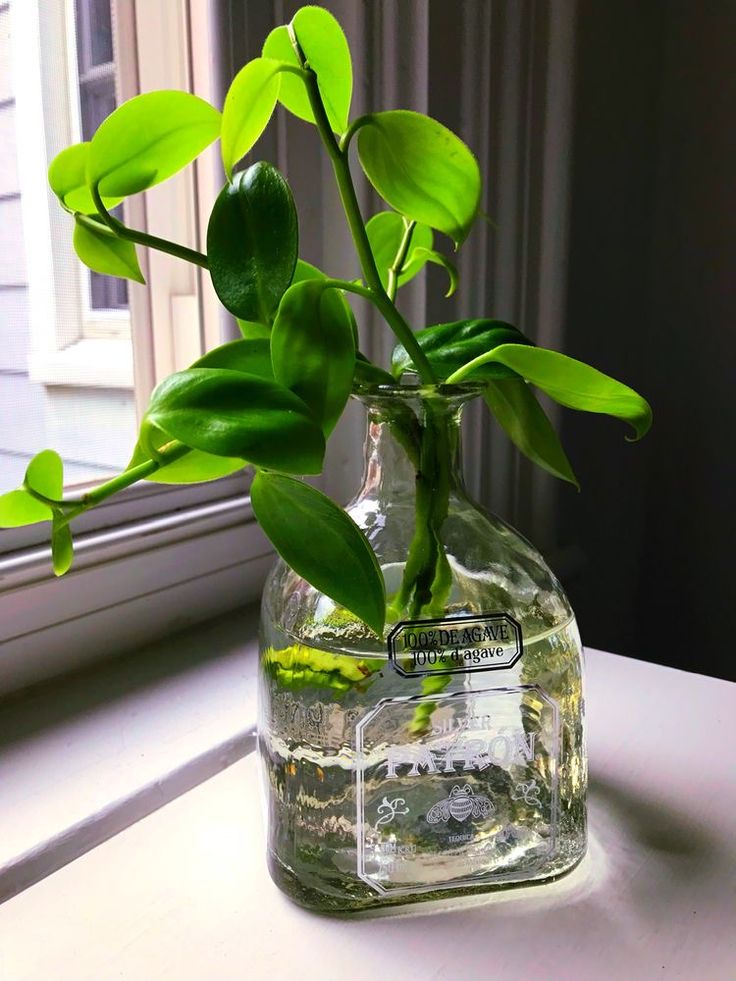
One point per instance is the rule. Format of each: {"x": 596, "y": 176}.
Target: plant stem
{"x": 352, "y": 130}
{"x": 399, "y": 259}
{"x": 143, "y": 238}
{"x": 348, "y": 287}
{"x": 427, "y": 578}
{"x": 351, "y": 207}
{"x": 168, "y": 453}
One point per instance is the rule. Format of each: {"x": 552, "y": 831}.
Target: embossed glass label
{"x": 468, "y": 798}
{"x": 452, "y": 645}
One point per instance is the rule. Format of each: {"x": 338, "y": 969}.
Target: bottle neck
{"x": 408, "y": 438}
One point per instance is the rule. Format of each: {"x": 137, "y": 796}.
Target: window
{"x": 81, "y": 353}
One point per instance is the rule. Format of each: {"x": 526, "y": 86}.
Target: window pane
{"x": 65, "y": 382}
{"x": 96, "y": 101}
{"x": 107, "y": 293}
{"x": 94, "y": 33}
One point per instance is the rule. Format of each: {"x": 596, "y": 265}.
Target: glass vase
{"x": 446, "y": 757}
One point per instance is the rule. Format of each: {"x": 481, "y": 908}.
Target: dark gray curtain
{"x": 651, "y": 298}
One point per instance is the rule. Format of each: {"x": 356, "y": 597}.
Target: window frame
{"x": 63, "y": 327}
{"x": 176, "y": 315}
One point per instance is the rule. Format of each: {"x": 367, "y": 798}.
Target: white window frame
{"x": 154, "y": 558}
{"x": 176, "y": 315}
{"x": 67, "y": 345}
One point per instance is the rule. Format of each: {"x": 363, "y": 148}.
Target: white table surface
{"x": 184, "y": 893}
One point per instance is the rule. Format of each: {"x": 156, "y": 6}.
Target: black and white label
{"x": 454, "y": 645}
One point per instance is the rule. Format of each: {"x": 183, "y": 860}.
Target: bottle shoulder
{"x": 494, "y": 570}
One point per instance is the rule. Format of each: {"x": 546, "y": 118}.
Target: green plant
{"x": 271, "y": 399}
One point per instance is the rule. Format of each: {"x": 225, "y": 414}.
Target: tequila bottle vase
{"x": 447, "y": 756}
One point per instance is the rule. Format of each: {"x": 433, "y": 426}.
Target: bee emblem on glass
{"x": 461, "y": 804}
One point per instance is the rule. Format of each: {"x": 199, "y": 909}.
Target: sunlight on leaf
{"x": 313, "y": 349}
{"x": 229, "y": 413}
{"x": 68, "y": 180}
{"x": 249, "y": 105}
{"x": 422, "y": 169}
{"x": 326, "y": 48}
{"x": 18, "y": 508}
{"x": 571, "y": 383}
{"x": 103, "y": 252}
{"x": 45, "y": 475}
{"x": 148, "y": 139}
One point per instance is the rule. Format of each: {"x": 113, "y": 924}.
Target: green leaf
{"x": 68, "y": 180}
{"x": 450, "y": 346}
{"x": 249, "y": 105}
{"x": 313, "y": 349}
{"x": 253, "y": 331}
{"x": 104, "y": 252}
{"x": 18, "y": 508}
{"x": 253, "y": 242}
{"x": 305, "y": 270}
{"x": 302, "y": 271}
{"x": 45, "y": 475}
{"x": 385, "y": 232}
{"x": 229, "y": 413}
{"x": 326, "y": 49}
{"x": 525, "y": 422}
{"x": 368, "y": 373}
{"x": 419, "y": 256}
{"x": 571, "y": 383}
{"x": 251, "y": 356}
{"x": 193, "y": 468}
{"x": 62, "y": 547}
{"x": 422, "y": 170}
{"x": 322, "y": 544}
{"x": 148, "y": 139}
{"x": 298, "y": 666}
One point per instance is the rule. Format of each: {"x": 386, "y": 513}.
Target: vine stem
{"x": 143, "y": 238}
{"x": 351, "y": 207}
{"x": 168, "y": 453}
{"x": 399, "y": 259}
{"x": 352, "y": 130}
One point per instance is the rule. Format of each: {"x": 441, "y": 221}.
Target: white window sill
{"x": 94, "y": 362}
{"x": 157, "y": 561}
{"x": 89, "y": 755}
{"x": 185, "y": 894}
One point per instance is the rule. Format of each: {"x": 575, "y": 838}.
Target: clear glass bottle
{"x": 448, "y": 756}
